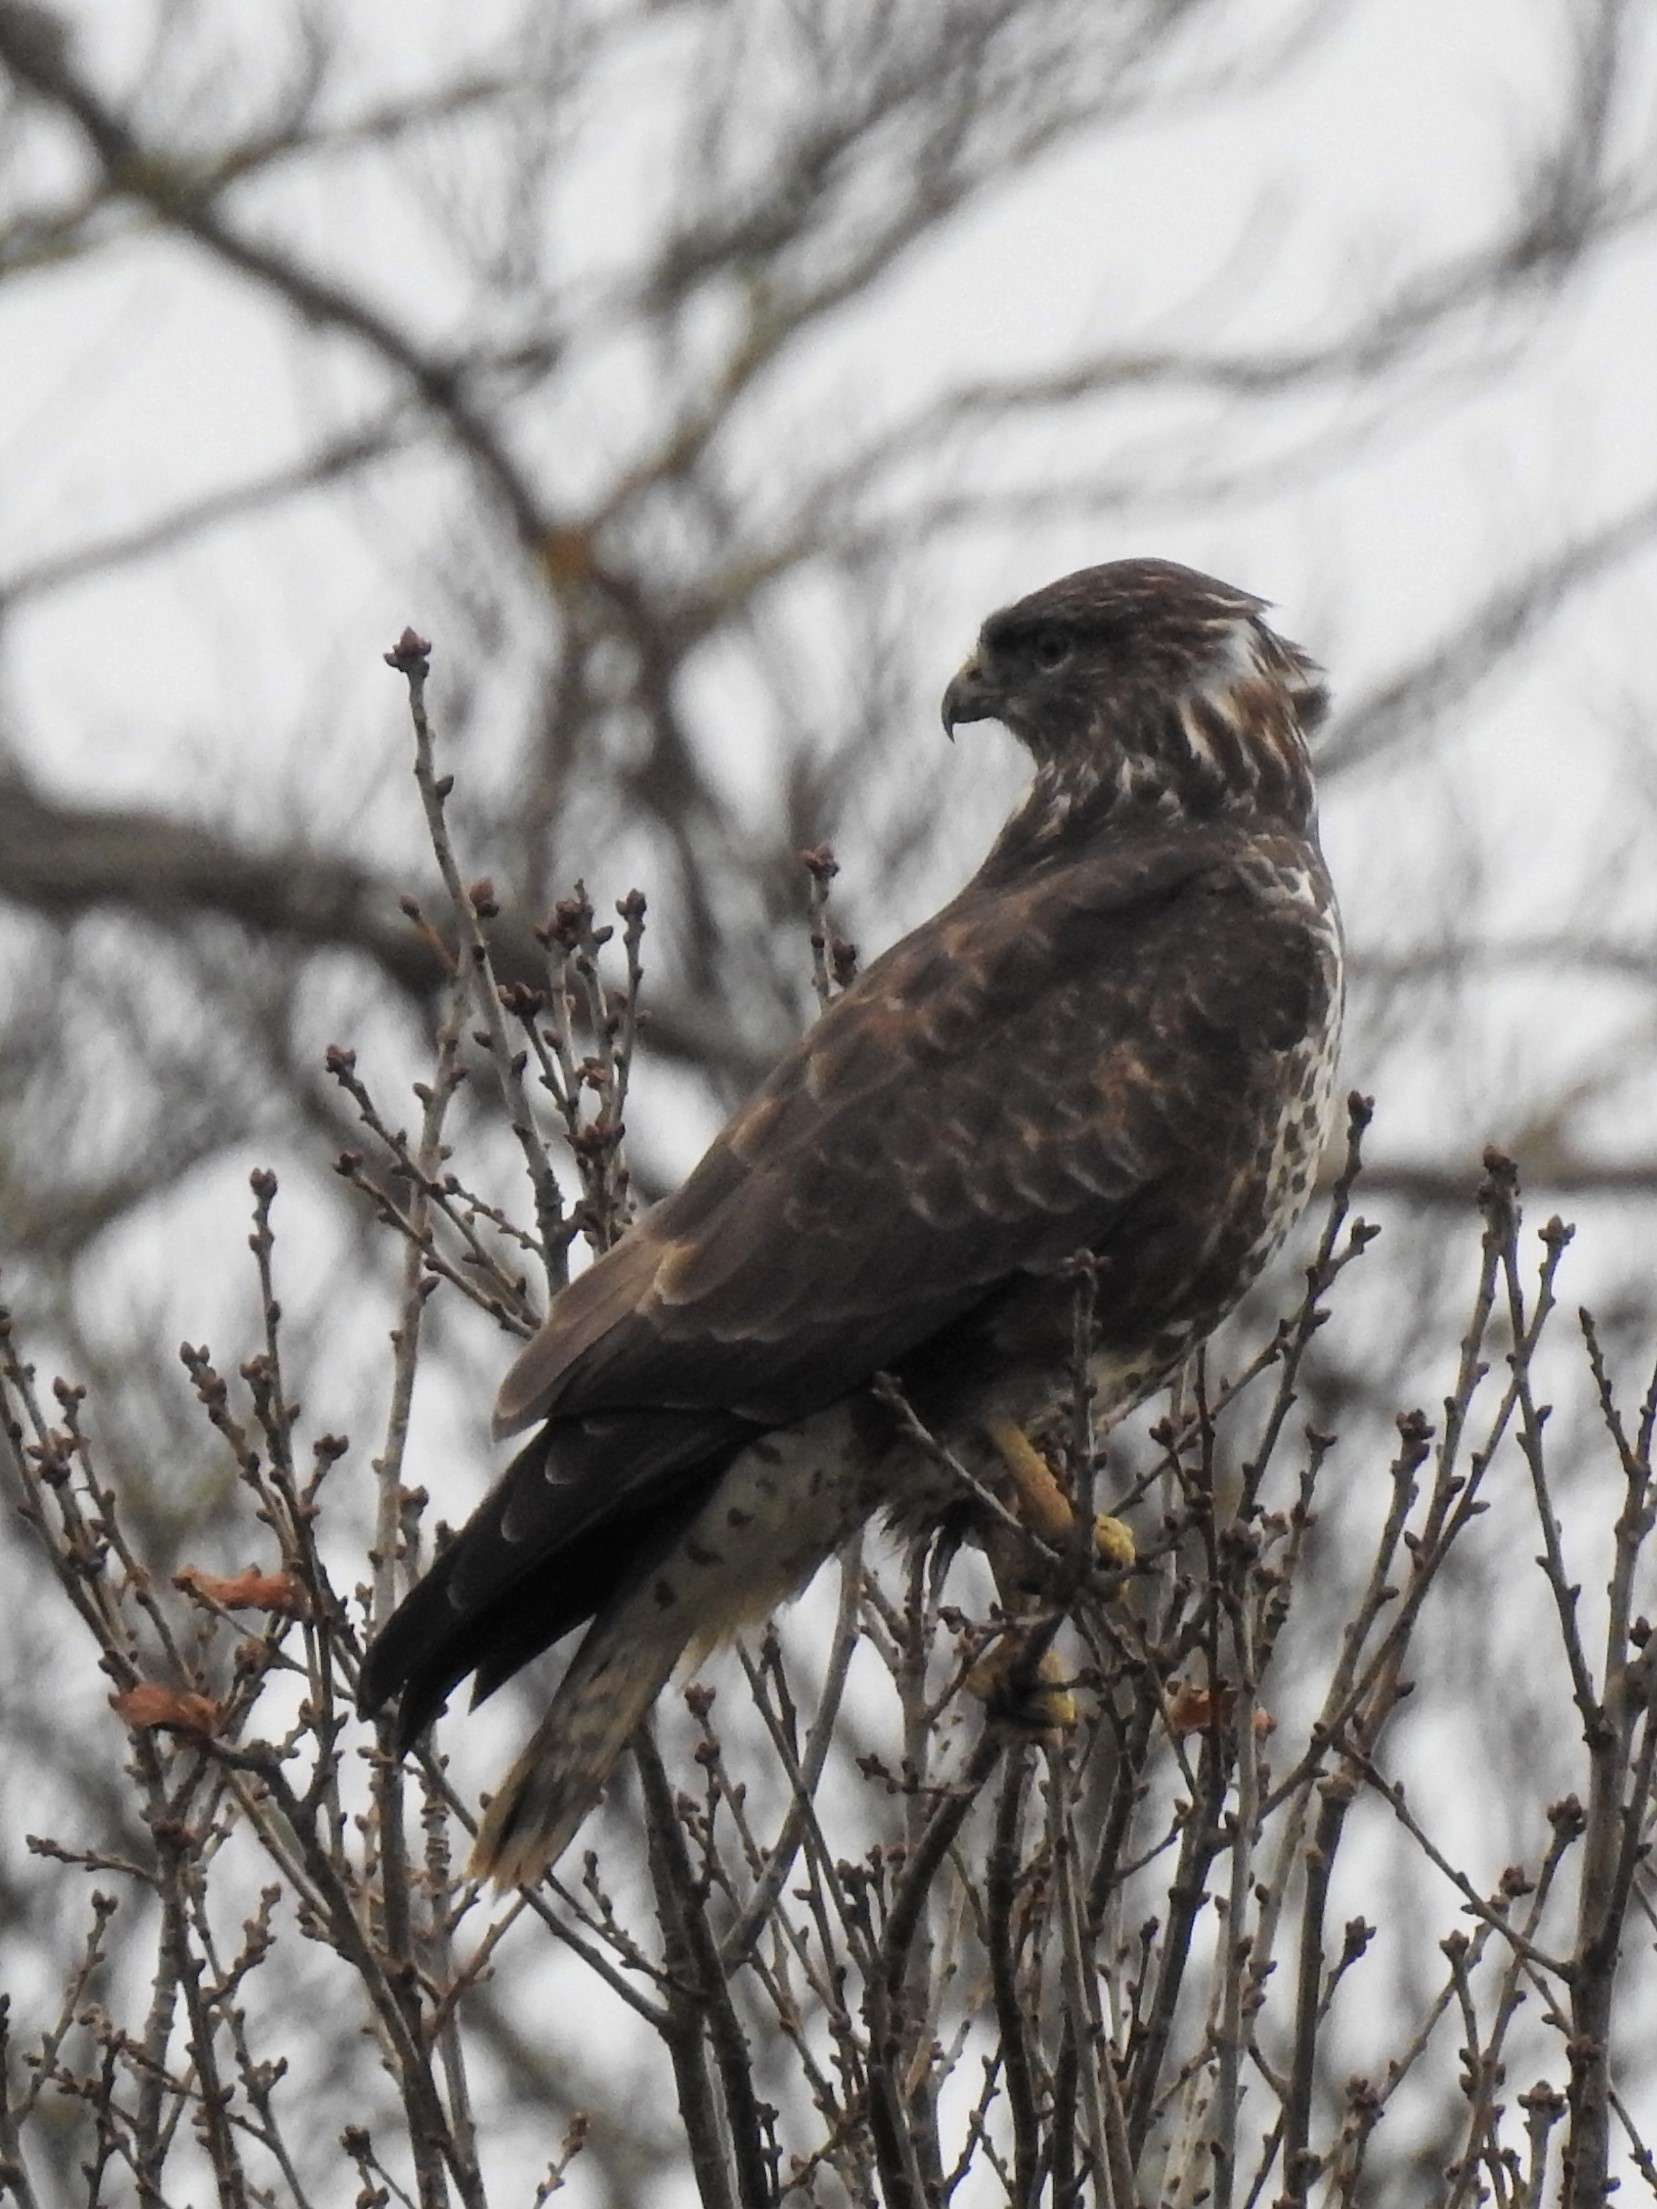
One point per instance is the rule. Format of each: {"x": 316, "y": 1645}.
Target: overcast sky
{"x": 238, "y": 676}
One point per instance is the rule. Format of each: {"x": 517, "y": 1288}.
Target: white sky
{"x": 147, "y": 375}
{"x": 247, "y": 666}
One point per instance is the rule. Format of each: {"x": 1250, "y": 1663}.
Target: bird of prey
{"x": 1118, "y": 1040}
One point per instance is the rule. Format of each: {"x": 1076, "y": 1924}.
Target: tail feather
{"x": 602, "y": 1701}
{"x": 562, "y": 1529}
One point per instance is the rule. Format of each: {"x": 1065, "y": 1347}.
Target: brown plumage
{"x": 1120, "y": 1037}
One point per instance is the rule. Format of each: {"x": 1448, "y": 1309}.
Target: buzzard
{"x": 1119, "y": 1039}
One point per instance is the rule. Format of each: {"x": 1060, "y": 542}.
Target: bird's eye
{"x": 1050, "y": 648}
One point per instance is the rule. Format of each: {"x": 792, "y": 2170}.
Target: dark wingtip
{"x": 374, "y": 1685}
{"x": 419, "y": 1701}
{"x": 412, "y": 1659}
{"x": 414, "y": 1715}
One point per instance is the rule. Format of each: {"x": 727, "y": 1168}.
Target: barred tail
{"x": 602, "y": 1700}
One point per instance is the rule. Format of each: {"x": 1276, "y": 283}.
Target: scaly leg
{"x": 1043, "y": 1702}
{"x": 1043, "y": 1504}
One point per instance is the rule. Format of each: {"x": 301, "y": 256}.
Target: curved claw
{"x": 1113, "y": 1539}
{"x": 1043, "y": 1704}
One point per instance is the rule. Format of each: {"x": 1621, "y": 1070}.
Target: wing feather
{"x": 971, "y": 1109}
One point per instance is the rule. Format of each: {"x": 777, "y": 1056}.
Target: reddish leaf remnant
{"x": 150, "y": 1708}
{"x": 246, "y": 1591}
{"x": 1193, "y": 1709}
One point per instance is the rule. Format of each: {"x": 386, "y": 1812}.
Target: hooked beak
{"x": 969, "y": 698}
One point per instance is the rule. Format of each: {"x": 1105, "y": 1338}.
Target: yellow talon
{"x": 1113, "y": 1539}
{"x": 1043, "y": 1505}
{"x": 1045, "y": 1508}
{"x": 1037, "y": 1699}
{"x": 1042, "y": 1705}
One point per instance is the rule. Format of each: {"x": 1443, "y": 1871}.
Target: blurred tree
{"x": 669, "y": 364}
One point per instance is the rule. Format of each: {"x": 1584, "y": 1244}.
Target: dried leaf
{"x": 153, "y": 1709}
{"x": 1192, "y": 1709}
{"x": 243, "y": 1591}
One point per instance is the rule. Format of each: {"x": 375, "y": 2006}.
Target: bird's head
{"x": 1151, "y": 685}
